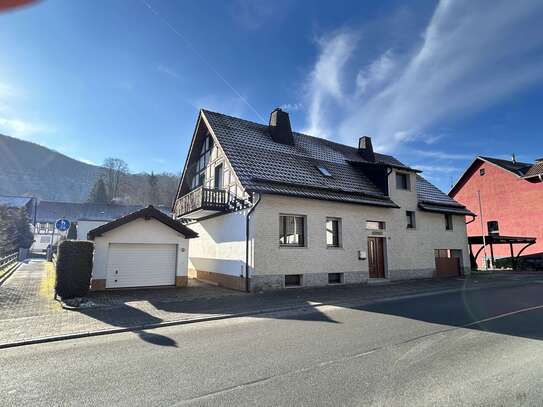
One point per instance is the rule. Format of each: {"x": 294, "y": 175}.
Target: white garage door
{"x": 141, "y": 265}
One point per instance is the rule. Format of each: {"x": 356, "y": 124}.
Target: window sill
{"x": 286, "y": 246}
{"x": 335, "y": 247}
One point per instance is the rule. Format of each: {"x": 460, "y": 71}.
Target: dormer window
{"x": 324, "y": 171}
{"x": 402, "y": 181}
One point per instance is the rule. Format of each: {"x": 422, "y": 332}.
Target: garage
{"x": 146, "y": 248}
{"x": 141, "y": 265}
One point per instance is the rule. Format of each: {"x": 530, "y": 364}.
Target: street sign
{"x": 62, "y": 224}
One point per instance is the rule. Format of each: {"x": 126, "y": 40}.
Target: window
{"x": 293, "y": 280}
{"x": 482, "y": 172}
{"x": 493, "y": 227}
{"x": 411, "y": 224}
{"x": 332, "y": 232}
{"x": 218, "y": 177}
{"x": 324, "y": 171}
{"x": 375, "y": 225}
{"x": 402, "y": 181}
{"x": 291, "y": 230}
{"x": 448, "y": 222}
{"x": 335, "y": 278}
{"x": 199, "y": 167}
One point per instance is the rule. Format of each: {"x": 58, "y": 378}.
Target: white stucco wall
{"x": 84, "y": 226}
{"x": 220, "y": 245}
{"x": 139, "y": 231}
{"x": 409, "y": 253}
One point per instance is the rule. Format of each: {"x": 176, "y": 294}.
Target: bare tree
{"x": 115, "y": 171}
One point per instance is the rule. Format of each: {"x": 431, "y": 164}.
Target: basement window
{"x": 324, "y": 171}
{"x": 335, "y": 278}
{"x": 293, "y": 280}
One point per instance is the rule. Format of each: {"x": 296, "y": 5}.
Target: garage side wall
{"x": 139, "y": 231}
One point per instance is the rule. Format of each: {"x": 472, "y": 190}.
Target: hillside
{"x": 32, "y": 170}
{"x": 29, "y": 169}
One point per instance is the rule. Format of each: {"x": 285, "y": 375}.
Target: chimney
{"x": 365, "y": 149}
{"x": 280, "y": 127}
{"x": 514, "y": 158}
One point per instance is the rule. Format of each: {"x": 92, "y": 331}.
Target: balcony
{"x": 202, "y": 202}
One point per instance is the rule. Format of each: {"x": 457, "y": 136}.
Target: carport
{"x": 491, "y": 240}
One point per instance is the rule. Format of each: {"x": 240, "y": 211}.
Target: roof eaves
{"x": 147, "y": 213}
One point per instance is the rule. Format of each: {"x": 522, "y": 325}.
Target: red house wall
{"x": 515, "y": 203}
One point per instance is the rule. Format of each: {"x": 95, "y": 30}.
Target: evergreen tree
{"x": 98, "y": 193}
{"x": 4, "y": 242}
{"x": 72, "y": 232}
{"x": 25, "y": 238}
{"x": 154, "y": 191}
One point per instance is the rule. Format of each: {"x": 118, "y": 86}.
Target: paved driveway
{"x": 29, "y": 291}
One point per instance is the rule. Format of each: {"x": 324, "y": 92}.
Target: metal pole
{"x": 482, "y": 227}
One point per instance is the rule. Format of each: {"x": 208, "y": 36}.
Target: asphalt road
{"x": 476, "y": 348}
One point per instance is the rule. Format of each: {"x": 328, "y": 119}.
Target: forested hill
{"x": 29, "y": 169}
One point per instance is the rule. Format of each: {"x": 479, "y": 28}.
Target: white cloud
{"x": 326, "y": 77}
{"x": 472, "y": 55}
{"x": 21, "y": 128}
{"x": 291, "y": 107}
{"x": 436, "y": 168}
{"x": 441, "y": 155}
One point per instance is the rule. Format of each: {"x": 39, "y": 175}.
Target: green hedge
{"x": 74, "y": 268}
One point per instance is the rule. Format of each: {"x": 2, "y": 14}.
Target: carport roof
{"x": 146, "y": 213}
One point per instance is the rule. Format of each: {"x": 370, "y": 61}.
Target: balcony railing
{"x": 203, "y": 199}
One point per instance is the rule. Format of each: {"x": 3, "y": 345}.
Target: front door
{"x": 376, "y": 257}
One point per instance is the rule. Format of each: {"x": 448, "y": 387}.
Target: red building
{"x": 510, "y": 196}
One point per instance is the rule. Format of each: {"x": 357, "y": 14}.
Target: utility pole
{"x": 482, "y": 226}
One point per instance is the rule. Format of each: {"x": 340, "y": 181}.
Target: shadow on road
{"x": 127, "y": 317}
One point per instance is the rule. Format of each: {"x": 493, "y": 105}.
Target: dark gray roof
{"x": 518, "y": 168}
{"x": 15, "y": 201}
{"x": 536, "y": 169}
{"x": 50, "y": 211}
{"x": 148, "y": 212}
{"x": 264, "y": 165}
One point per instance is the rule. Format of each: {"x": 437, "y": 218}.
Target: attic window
{"x": 324, "y": 171}
{"x": 482, "y": 172}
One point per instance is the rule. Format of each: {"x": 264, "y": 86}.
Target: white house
{"x": 274, "y": 209}
{"x": 142, "y": 249}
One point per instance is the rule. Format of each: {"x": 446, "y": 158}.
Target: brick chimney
{"x": 365, "y": 149}
{"x": 280, "y": 129}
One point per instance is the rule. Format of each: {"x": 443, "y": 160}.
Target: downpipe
{"x": 247, "y": 288}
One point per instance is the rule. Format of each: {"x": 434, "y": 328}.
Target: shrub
{"x": 74, "y": 268}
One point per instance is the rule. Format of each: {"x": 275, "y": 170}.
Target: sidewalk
{"x": 29, "y": 313}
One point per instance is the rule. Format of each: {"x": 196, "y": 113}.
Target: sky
{"x": 433, "y": 83}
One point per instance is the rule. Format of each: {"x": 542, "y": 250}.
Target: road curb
{"x": 10, "y": 272}
{"x": 351, "y": 304}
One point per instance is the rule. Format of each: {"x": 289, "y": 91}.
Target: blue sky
{"x": 434, "y": 83}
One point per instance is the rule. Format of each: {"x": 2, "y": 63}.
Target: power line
{"x": 189, "y": 44}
